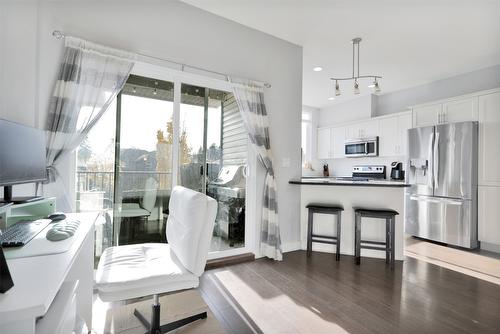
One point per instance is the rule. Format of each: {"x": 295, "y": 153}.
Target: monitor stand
{"x": 7, "y": 197}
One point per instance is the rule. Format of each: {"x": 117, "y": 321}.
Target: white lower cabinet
{"x": 489, "y": 214}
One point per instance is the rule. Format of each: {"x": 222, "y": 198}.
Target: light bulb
{"x": 337, "y": 88}
{"x": 356, "y": 86}
{"x": 134, "y": 90}
{"x": 375, "y": 86}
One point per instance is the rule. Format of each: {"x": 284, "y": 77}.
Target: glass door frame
{"x": 179, "y": 77}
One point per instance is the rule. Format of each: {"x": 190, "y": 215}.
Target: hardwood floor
{"x": 319, "y": 295}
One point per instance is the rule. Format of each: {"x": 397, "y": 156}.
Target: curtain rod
{"x": 59, "y": 35}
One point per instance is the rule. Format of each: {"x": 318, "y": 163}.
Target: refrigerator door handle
{"x": 430, "y": 176}
{"x": 424, "y": 199}
{"x": 435, "y": 170}
{"x": 428, "y": 199}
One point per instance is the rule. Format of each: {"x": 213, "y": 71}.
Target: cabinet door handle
{"x": 445, "y": 116}
{"x": 439, "y": 118}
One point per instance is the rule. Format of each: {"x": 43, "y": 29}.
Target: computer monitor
{"x": 22, "y": 157}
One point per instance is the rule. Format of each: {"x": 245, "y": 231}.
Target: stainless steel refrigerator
{"x": 441, "y": 202}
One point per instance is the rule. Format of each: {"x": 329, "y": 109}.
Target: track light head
{"x": 356, "y": 86}
{"x": 375, "y": 86}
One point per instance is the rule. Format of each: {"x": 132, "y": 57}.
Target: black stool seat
{"x": 388, "y": 246}
{"x": 324, "y": 239}
{"x": 319, "y": 206}
{"x": 381, "y": 212}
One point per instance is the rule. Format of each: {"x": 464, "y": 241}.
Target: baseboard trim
{"x": 290, "y": 246}
{"x": 490, "y": 247}
{"x": 229, "y": 260}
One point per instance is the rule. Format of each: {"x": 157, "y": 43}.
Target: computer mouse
{"x": 57, "y": 216}
{"x": 57, "y": 235}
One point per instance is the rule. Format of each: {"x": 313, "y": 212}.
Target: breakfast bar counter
{"x": 335, "y": 181}
{"x": 372, "y": 194}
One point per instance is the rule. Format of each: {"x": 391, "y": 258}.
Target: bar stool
{"x": 388, "y": 245}
{"x": 324, "y": 239}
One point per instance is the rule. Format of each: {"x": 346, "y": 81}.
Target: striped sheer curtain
{"x": 250, "y": 99}
{"x": 90, "y": 77}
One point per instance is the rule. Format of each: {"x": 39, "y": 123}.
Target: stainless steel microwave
{"x": 365, "y": 147}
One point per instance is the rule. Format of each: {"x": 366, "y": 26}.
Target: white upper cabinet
{"x": 427, "y": 115}
{"x": 338, "y": 137}
{"x": 323, "y": 144}
{"x": 448, "y": 112}
{"x": 363, "y": 129}
{"x": 489, "y": 139}
{"x": 404, "y": 123}
{"x": 460, "y": 111}
{"x": 393, "y": 134}
{"x": 388, "y": 136}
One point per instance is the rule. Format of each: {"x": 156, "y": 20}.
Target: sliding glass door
{"x": 143, "y": 160}
{"x": 202, "y": 165}
{"x": 169, "y": 133}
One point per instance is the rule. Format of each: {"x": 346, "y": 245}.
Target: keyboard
{"x": 22, "y": 232}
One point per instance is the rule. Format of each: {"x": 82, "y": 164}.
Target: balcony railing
{"x": 101, "y": 184}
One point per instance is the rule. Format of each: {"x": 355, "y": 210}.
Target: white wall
{"x": 171, "y": 30}
{"x": 354, "y": 109}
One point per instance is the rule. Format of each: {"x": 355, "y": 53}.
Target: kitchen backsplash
{"x": 343, "y": 167}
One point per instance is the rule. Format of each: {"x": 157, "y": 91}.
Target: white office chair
{"x": 133, "y": 271}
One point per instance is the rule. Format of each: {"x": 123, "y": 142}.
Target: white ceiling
{"x": 408, "y": 42}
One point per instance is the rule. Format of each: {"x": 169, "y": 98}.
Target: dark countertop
{"x": 331, "y": 181}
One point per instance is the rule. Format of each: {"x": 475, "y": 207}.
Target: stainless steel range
{"x": 365, "y": 173}
{"x": 229, "y": 191}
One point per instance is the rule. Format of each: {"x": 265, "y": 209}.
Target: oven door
{"x": 356, "y": 148}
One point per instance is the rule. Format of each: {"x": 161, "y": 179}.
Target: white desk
{"x": 37, "y": 279}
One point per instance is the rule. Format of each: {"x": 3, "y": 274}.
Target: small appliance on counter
{"x": 326, "y": 172}
{"x": 397, "y": 172}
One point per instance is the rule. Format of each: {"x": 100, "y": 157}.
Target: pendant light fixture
{"x": 355, "y": 72}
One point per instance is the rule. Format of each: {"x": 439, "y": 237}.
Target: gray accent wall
{"x": 487, "y": 78}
